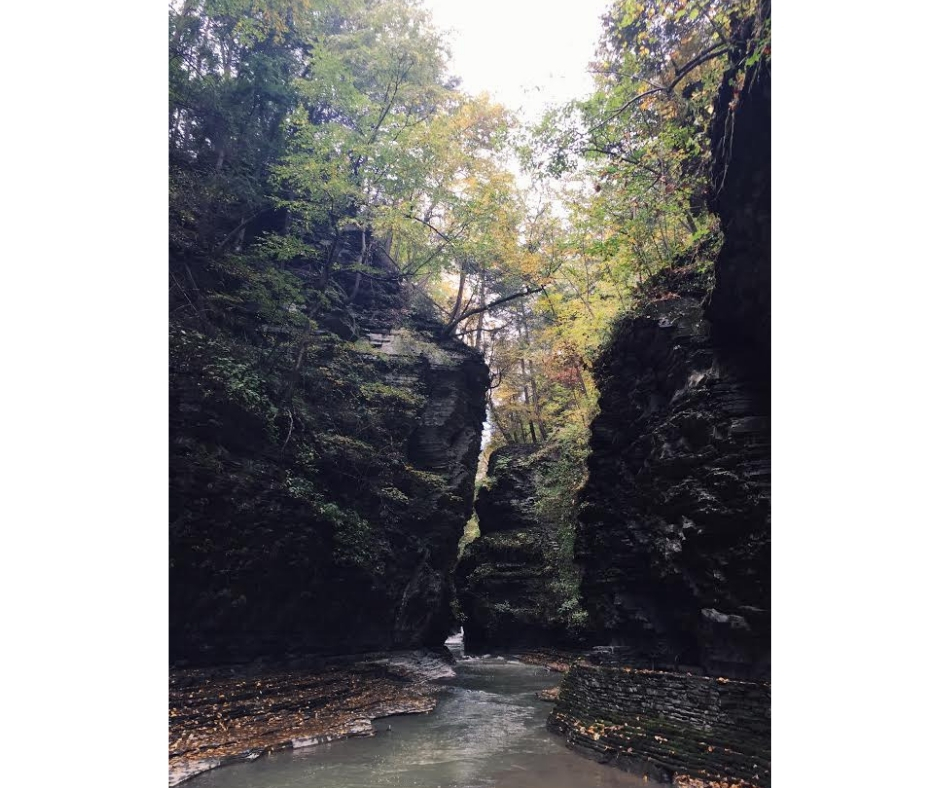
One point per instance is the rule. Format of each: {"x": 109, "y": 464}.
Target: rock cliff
{"x": 738, "y": 307}
{"x": 321, "y": 469}
{"x": 516, "y": 583}
{"x": 668, "y": 725}
{"x": 674, "y": 534}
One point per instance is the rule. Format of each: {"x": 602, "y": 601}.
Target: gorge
{"x": 404, "y": 405}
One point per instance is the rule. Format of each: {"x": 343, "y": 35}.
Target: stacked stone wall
{"x": 664, "y": 725}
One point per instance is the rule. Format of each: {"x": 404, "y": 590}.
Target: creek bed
{"x": 488, "y": 731}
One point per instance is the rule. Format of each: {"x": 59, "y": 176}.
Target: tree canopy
{"x": 293, "y": 123}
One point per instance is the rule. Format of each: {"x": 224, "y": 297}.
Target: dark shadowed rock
{"x": 508, "y": 503}
{"x": 739, "y": 306}
{"x": 511, "y": 581}
{"x": 674, "y": 534}
{"x": 675, "y": 728}
{"x": 320, "y": 480}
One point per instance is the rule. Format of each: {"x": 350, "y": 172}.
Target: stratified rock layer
{"x": 513, "y": 581}
{"x": 675, "y": 523}
{"x": 674, "y": 532}
{"x": 665, "y": 725}
{"x": 321, "y": 475}
{"x": 224, "y": 716}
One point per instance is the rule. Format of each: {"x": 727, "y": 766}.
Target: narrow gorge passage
{"x": 412, "y": 391}
{"x": 488, "y": 731}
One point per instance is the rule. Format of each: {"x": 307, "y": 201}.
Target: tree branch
{"x": 430, "y": 226}
{"x": 486, "y": 307}
{"x": 709, "y": 54}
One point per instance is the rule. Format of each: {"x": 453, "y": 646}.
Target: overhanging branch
{"x": 486, "y": 307}
{"x": 715, "y": 50}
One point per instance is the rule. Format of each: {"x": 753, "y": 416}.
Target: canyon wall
{"x": 663, "y": 725}
{"x": 321, "y": 471}
{"x": 516, "y": 584}
{"x": 674, "y": 533}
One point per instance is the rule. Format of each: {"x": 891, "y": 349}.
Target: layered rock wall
{"x": 675, "y": 522}
{"x": 674, "y": 533}
{"x": 231, "y": 715}
{"x": 321, "y": 474}
{"x": 516, "y": 583}
{"x": 664, "y": 724}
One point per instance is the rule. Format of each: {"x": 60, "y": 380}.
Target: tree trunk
{"x": 459, "y": 302}
{"x": 528, "y": 408}
{"x": 328, "y": 265}
{"x": 536, "y": 402}
{"x": 530, "y": 376}
{"x": 479, "y": 337}
{"x": 499, "y": 425}
{"x": 363, "y": 254}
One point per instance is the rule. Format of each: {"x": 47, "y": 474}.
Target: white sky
{"x": 527, "y": 54}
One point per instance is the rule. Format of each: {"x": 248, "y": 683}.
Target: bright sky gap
{"x": 527, "y": 54}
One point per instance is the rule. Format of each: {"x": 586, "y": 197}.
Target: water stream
{"x": 488, "y": 731}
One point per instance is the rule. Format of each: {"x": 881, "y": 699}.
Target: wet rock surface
{"x": 675, "y": 522}
{"x": 508, "y": 578}
{"x": 674, "y": 534}
{"x": 554, "y": 659}
{"x": 671, "y": 727}
{"x": 488, "y": 729}
{"x": 549, "y": 695}
{"x": 229, "y": 715}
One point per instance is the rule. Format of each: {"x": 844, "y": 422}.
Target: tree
{"x": 231, "y": 67}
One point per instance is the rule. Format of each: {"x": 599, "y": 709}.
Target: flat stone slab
{"x": 221, "y": 716}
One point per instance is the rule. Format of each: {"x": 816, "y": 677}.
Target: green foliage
{"x": 241, "y": 384}
{"x": 231, "y": 65}
{"x": 394, "y": 495}
{"x": 303, "y": 489}
{"x": 760, "y": 47}
{"x": 298, "y": 126}
{"x": 425, "y": 481}
{"x": 354, "y": 539}
{"x": 621, "y": 180}
{"x": 561, "y": 471}
{"x": 629, "y": 168}
{"x": 471, "y": 532}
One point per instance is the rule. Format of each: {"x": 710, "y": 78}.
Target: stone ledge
{"x": 667, "y": 725}
{"x": 218, "y": 719}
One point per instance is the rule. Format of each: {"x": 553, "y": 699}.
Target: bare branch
{"x": 486, "y": 307}
{"x": 709, "y": 54}
{"x": 430, "y": 226}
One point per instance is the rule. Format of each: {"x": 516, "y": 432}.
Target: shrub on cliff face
{"x": 355, "y": 541}
{"x": 561, "y": 471}
{"x": 517, "y": 582}
{"x": 290, "y": 474}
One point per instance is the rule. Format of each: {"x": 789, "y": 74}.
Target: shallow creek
{"x": 488, "y": 731}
